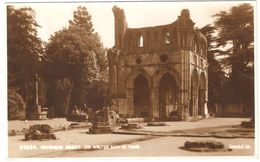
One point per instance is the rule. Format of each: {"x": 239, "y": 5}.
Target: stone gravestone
{"x": 101, "y": 124}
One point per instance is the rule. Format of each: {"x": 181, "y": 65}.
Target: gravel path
{"x": 75, "y": 143}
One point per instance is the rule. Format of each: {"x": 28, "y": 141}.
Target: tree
{"x": 236, "y": 32}
{"x": 62, "y": 94}
{"x": 82, "y": 19}
{"x": 24, "y": 49}
{"x": 216, "y": 76}
{"x": 235, "y": 43}
{"x": 76, "y": 53}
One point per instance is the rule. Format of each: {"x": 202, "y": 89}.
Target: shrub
{"x": 16, "y": 106}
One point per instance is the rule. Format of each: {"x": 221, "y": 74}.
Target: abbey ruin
{"x": 159, "y": 72}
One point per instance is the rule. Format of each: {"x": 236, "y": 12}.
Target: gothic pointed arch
{"x": 132, "y": 76}
{"x": 166, "y": 86}
{"x": 163, "y": 70}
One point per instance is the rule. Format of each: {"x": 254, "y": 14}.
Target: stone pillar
{"x": 112, "y": 62}
{"x": 206, "y": 109}
{"x": 129, "y": 101}
{"x": 114, "y": 90}
{"x": 185, "y": 85}
{"x": 111, "y": 72}
{"x": 151, "y": 98}
{"x": 206, "y": 94}
{"x": 121, "y": 75}
{"x": 120, "y": 26}
{"x": 156, "y": 101}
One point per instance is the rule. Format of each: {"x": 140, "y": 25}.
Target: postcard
{"x": 131, "y": 79}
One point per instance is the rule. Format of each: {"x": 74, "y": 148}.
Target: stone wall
{"x": 176, "y": 49}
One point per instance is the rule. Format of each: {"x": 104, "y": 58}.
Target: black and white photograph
{"x": 130, "y": 79}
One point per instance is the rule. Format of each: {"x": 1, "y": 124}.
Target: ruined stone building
{"x": 158, "y": 72}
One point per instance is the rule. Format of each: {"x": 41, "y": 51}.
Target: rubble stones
{"x": 248, "y": 124}
{"x": 40, "y": 132}
{"x": 156, "y": 124}
{"x": 204, "y": 146}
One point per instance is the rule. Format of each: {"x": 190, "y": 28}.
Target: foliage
{"x": 216, "y": 76}
{"x": 16, "y": 105}
{"x": 99, "y": 96}
{"x": 24, "y": 49}
{"x": 236, "y": 26}
{"x": 62, "y": 95}
{"x": 236, "y": 33}
{"x": 76, "y": 53}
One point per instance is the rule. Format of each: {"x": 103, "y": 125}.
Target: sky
{"x": 54, "y": 16}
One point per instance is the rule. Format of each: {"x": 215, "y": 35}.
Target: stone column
{"x": 153, "y": 112}
{"x": 114, "y": 90}
{"x": 185, "y": 85}
{"x": 112, "y": 61}
{"x": 206, "y": 109}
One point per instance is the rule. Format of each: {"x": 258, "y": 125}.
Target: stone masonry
{"x": 158, "y": 72}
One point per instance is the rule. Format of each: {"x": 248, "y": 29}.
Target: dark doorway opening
{"x": 141, "y": 97}
{"x": 167, "y": 97}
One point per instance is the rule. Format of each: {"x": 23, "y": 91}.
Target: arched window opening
{"x": 195, "y": 48}
{"x": 167, "y": 38}
{"x": 141, "y": 41}
{"x": 195, "y": 60}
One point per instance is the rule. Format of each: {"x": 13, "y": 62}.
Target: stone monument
{"x": 37, "y": 112}
{"x": 101, "y": 124}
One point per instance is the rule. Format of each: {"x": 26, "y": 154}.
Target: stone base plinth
{"x": 100, "y": 128}
{"x": 37, "y": 116}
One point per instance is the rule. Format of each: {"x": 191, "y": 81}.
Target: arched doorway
{"x": 167, "y": 97}
{"x": 141, "y": 97}
{"x": 193, "y": 107}
{"x": 202, "y": 95}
